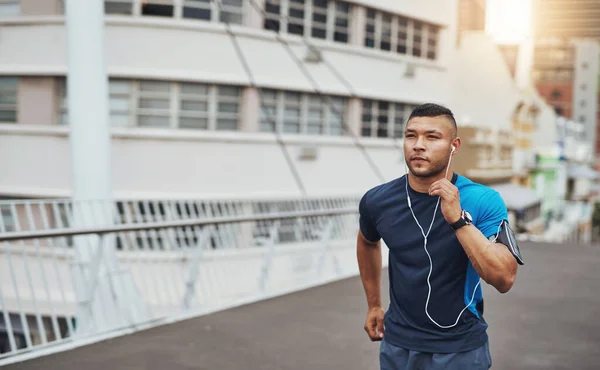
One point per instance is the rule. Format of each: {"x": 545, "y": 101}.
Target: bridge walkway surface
{"x": 549, "y": 320}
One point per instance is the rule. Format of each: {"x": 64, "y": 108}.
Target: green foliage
{"x": 596, "y": 215}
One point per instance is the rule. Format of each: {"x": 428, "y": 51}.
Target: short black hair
{"x": 434, "y": 110}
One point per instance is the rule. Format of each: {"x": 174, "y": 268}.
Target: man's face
{"x": 427, "y": 145}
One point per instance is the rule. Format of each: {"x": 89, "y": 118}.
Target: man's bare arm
{"x": 369, "y": 264}
{"x": 494, "y": 262}
{"x": 368, "y": 254}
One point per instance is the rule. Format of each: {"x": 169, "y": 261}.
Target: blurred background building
{"x": 290, "y": 98}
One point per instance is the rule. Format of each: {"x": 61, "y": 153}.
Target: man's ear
{"x": 456, "y": 145}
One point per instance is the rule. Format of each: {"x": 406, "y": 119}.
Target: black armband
{"x": 506, "y": 236}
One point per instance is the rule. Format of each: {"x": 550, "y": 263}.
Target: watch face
{"x": 467, "y": 217}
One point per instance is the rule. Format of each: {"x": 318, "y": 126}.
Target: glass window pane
{"x": 315, "y": 114}
{"x": 188, "y": 105}
{"x": 194, "y": 89}
{"x": 231, "y": 17}
{"x": 228, "y": 107}
{"x": 291, "y": 114}
{"x": 119, "y": 120}
{"x": 292, "y": 97}
{"x": 118, "y": 104}
{"x": 153, "y": 121}
{"x": 291, "y": 127}
{"x": 314, "y": 129}
{"x": 8, "y": 97}
{"x": 319, "y": 33}
{"x": 118, "y": 7}
{"x": 155, "y": 86}
{"x": 8, "y": 116}
{"x": 157, "y": 10}
{"x": 119, "y": 87}
{"x": 154, "y": 103}
{"x": 226, "y": 124}
{"x": 10, "y": 9}
{"x": 229, "y": 91}
{"x": 196, "y": 13}
{"x": 195, "y": 123}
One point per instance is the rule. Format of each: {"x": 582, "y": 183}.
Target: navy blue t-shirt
{"x": 384, "y": 214}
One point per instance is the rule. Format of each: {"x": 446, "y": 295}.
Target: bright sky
{"x": 508, "y": 21}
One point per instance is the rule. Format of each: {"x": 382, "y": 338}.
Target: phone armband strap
{"x": 506, "y": 236}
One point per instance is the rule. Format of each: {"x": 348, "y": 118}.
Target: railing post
{"x": 326, "y": 240}
{"x": 264, "y": 275}
{"x": 196, "y": 258}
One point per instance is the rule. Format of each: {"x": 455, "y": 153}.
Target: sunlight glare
{"x": 508, "y": 21}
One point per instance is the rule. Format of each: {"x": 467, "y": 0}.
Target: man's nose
{"x": 419, "y": 144}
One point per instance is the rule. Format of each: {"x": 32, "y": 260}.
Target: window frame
{"x": 328, "y": 106}
{"x": 175, "y": 96}
{"x": 9, "y": 86}
{"x": 281, "y": 21}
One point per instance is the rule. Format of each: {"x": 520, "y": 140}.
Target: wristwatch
{"x": 465, "y": 219}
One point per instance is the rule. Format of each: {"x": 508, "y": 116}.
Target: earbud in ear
{"x": 453, "y": 148}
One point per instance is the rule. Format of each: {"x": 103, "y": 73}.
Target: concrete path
{"x": 549, "y": 320}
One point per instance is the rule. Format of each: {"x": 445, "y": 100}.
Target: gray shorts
{"x": 395, "y": 358}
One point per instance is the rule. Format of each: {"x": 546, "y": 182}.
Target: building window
{"x": 9, "y": 8}
{"x": 432, "y": 42}
{"x": 324, "y": 19}
{"x": 8, "y": 99}
{"x": 384, "y": 119}
{"x": 197, "y": 9}
{"x": 417, "y": 38}
{"x": 158, "y": 8}
{"x": 388, "y": 32}
{"x": 231, "y": 11}
{"x": 582, "y": 119}
{"x": 118, "y": 7}
{"x": 7, "y": 218}
{"x": 163, "y": 104}
{"x": 556, "y": 94}
{"x": 299, "y": 113}
{"x": 582, "y": 103}
{"x": 154, "y": 104}
{"x": 558, "y": 110}
{"x": 402, "y": 35}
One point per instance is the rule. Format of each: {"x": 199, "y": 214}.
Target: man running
{"x": 444, "y": 232}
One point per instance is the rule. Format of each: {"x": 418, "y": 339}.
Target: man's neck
{"x": 422, "y": 184}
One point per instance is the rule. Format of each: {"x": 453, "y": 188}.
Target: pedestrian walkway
{"x": 549, "y": 320}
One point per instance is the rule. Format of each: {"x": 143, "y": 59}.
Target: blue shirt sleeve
{"x": 492, "y": 211}
{"x": 367, "y": 226}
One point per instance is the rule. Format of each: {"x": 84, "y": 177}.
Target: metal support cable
{"x": 327, "y": 99}
{"x": 337, "y": 74}
{"x": 270, "y": 118}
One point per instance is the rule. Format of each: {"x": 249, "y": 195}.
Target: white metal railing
{"x": 74, "y": 270}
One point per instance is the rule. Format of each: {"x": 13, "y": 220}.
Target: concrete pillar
{"x": 255, "y": 17}
{"x": 250, "y": 110}
{"x": 358, "y": 19}
{"x": 100, "y": 290}
{"x": 38, "y": 101}
{"x": 354, "y": 118}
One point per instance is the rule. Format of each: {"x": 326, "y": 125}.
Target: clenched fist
{"x": 374, "y": 323}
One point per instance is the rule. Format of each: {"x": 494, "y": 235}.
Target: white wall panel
{"x": 162, "y": 163}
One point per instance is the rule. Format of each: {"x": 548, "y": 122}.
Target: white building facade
{"x": 288, "y": 98}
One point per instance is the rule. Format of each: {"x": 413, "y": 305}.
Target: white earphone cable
{"x": 429, "y": 256}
